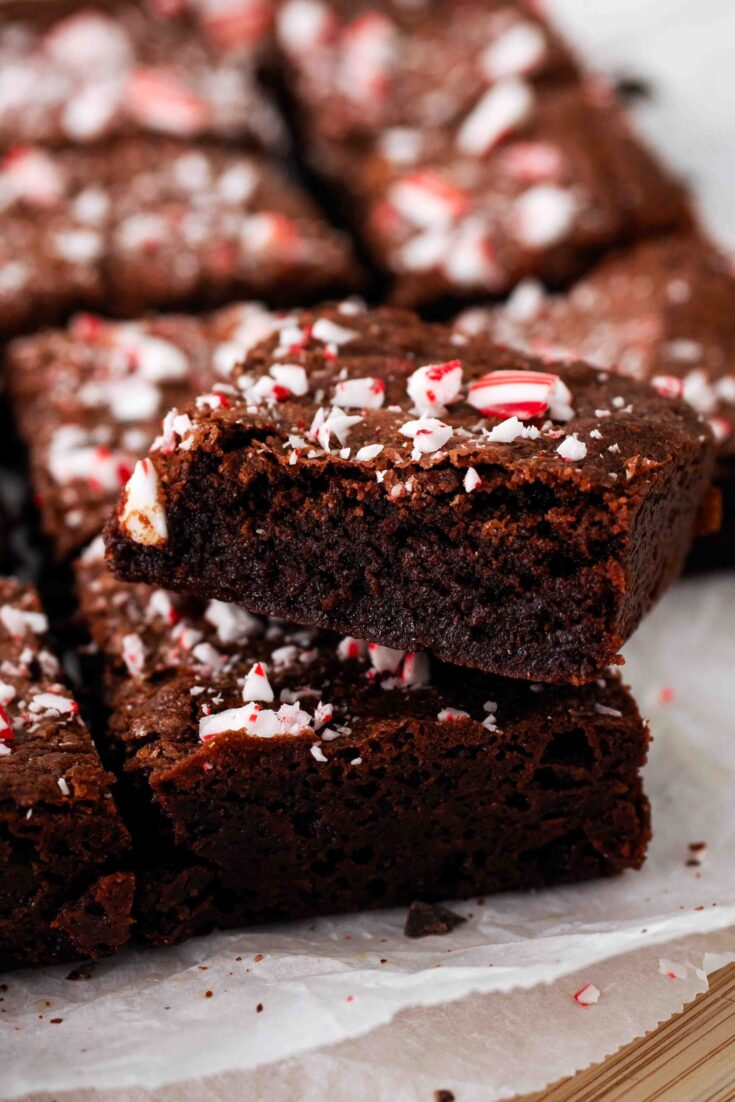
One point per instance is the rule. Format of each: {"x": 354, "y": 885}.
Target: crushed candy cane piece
{"x": 471, "y": 480}
{"x": 587, "y": 995}
{"x": 522, "y": 394}
{"x": 433, "y": 387}
{"x": 365, "y": 393}
{"x": 428, "y": 435}
{"x": 572, "y": 449}
{"x": 143, "y": 515}
{"x": 673, "y": 969}
{"x": 500, "y": 111}
{"x": 257, "y": 686}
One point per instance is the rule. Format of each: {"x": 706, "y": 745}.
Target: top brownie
{"x": 358, "y": 70}
{"x": 383, "y": 477}
{"x": 74, "y": 73}
{"x": 153, "y": 222}
{"x": 662, "y": 311}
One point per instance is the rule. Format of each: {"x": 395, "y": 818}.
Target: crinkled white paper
{"x": 146, "y": 1019}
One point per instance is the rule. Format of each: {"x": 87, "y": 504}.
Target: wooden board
{"x": 690, "y": 1058}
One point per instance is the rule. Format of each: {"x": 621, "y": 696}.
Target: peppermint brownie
{"x": 374, "y": 474}
{"x": 89, "y": 400}
{"x": 528, "y": 184}
{"x": 357, "y": 71}
{"x": 277, "y": 772}
{"x": 74, "y": 73}
{"x": 662, "y": 311}
{"x": 62, "y": 894}
{"x": 151, "y": 223}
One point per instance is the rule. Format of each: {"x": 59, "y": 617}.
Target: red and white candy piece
{"x": 668, "y": 386}
{"x": 428, "y": 435}
{"x": 232, "y": 623}
{"x": 384, "y": 659}
{"x": 305, "y": 26}
{"x": 427, "y": 199}
{"x": 256, "y": 685}
{"x": 89, "y": 43}
{"x": 351, "y": 648}
{"x": 19, "y": 622}
{"x": 233, "y": 24}
{"x": 433, "y": 387}
{"x": 521, "y": 394}
{"x": 143, "y": 515}
{"x": 518, "y": 50}
{"x": 499, "y": 112}
{"x": 160, "y": 100}
{"x": 366, "y": 54}
{"x": 364, "y": 393}
{"x": 452, "y": 715}
{"x": 543, "y": 216}
{"x": 53, "y": 703}
{"x": 6, "y": 727}
{"x": 673, "y": 969}
{"x": 32, "y": 176}
{"x": 572, "y": 449}
{"x": 472, "y": 480}
{"x": 328, "y": 331}
{"x": 587, "y": 995}
{"x": 133, "y": 654}
{"x": 416, "y": 670}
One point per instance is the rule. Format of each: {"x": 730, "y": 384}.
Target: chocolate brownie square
{"x": 75, "y": 73}
{"x": 89, "y": 400}
{"x": 661, "y": 311}
{"x": 381, "y": 476}
{"x": 528, "y": 184}
{"x": 151, "y": 223}
{"x": 278, "y": 772}
{"x": 389, "y": 70}
{"x": 63, "y": 848}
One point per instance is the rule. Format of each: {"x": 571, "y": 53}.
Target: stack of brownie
{"x": 370, "y": 584}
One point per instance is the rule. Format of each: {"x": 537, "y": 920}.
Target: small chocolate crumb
{"x": 56, "y": 1021}
{"x": 83, "y": 972}
{"x": 443, "y": 1096}
{"x": 425, "y": 919}
{"x": 208, "y": 994}
{"x": 631, "y": 88}
{"x": 259, "y": 1008}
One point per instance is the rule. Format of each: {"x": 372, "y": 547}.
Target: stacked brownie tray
{"x": 351, "y": 633}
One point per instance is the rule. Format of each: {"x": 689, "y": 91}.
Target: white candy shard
{"x": 257, "y": 686}
{"x": 143, "y": 515}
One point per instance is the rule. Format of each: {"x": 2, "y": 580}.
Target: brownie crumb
{"x": 425, "y": 919}
{"x": 259, "y": 1008}
{"x": 443, "y": 1096}
{"x": 56, "y": 1021}
{"x": 632, "y": 88}
{"x": 83, "y": 972}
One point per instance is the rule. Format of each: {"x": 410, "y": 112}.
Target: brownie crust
{"x": 529, "y": 549}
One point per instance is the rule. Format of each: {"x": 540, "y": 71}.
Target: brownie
{"x": 89, "y": 400}
{"x": 63, "y": 849}
{"x": 278, "y": 772}
{"x": 529, "y": 184}
{"x": 357, "y": 71}
{"x": 76, "y": 73}
{"x": 151, "y": 223}
{"x": 378, "y": 475}
{"x": 660, "y": 311}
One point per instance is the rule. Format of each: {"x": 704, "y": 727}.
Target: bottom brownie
{"x": 63, "y": 894}
{"x": 273, "y": 772}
